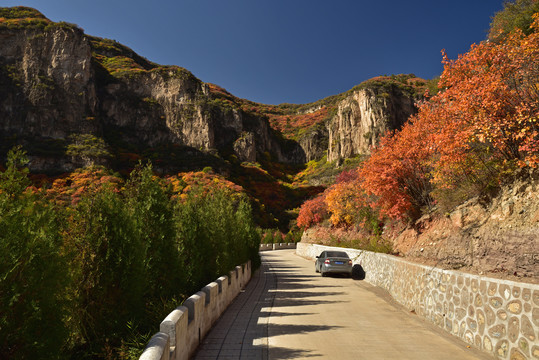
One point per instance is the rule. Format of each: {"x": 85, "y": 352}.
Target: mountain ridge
{"x": 75, "y": 100}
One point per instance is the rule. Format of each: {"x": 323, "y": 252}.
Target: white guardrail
{"x": 183, "y": 329}
{"x": 279, "y": 246}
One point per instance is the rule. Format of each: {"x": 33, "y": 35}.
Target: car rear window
{"x": 337, "y": 254}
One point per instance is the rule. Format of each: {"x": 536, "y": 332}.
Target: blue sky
{"x": 275, "y": 51}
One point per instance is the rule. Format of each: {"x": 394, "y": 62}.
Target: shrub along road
{"x": 290, "y": 312}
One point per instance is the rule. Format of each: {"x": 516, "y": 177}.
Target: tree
{"x": 152, "y": 212}
{"x": 515, "y": 15}
{"x": 33, "y": 275}
{"x": 312, "y": 212}
{"x": 87, "y": 148}
{"x": 397, "y": 174}
{"x": 108, "y": 268}
{"x": 483, "y": 123}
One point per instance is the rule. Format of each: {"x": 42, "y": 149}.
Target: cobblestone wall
{"x": 497, "y": 316}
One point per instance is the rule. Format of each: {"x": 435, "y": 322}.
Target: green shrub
{"x": 152, "y": 213}
{"x": 515, "y": 15}
{"x": 108, "y": 269}
{"x": 33, "y": 275}
{"x": 215, "y": 233}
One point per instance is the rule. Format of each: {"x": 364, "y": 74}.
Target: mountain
{"x": 58, "y": 82}
{"x": 74, "y": 100}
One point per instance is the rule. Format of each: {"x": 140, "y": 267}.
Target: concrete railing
{"x": 279, "y": 246}
{"x": 497, "y": 316}
{"x": 183, "y": 329}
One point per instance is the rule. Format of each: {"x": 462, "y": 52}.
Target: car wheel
{"x": 322, "y": 273}
{"x": 316, "y": 269}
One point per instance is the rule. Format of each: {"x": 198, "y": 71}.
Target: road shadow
{"x": 287, "y": 329}
{"x": 304, "y": 294}
{"x": 299, "y": 286}
{"x": 288, "y": 302}
{"x": 285, "y": 353}
{"x": 281, "y": 314}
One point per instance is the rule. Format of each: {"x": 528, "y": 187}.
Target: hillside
{"x": 456, "y": 186}
{"x": 75, "y": 100}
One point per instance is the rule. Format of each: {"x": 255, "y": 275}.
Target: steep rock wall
{"x": 363, "y": 117}
{"x": 47, "y": 82}
{"x": 56, "y": 81}
{"x": 52, "y": 86}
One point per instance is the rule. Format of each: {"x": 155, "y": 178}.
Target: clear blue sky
{"x": 275, "y": 51}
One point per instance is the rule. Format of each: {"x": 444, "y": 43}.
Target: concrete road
{"x": 290, "y": 312}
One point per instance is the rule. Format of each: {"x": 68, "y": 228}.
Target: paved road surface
{"x": 290, "y": 312}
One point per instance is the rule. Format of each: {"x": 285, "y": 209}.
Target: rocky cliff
{"x": 364, "y": 116}
{"x": 57, "y": 83}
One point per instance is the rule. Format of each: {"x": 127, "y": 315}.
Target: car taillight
{"x": 349, "y": 262}
{"x": 327, "y": 261}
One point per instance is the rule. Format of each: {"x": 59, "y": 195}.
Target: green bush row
{"x": 92, "y": 279}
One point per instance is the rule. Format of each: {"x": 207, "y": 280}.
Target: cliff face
{"x": 363, "y": 117}
{"x": 47, "y": 86}
{"x": 56, "y": 82}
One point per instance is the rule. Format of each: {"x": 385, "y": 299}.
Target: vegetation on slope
{"x": 21, "y": 17}
{"x": 515, "y": 15}
{"x": 82, "y": 259}
{"x": 90, "y": 264}
{"x": 478, "y": 130}
{"x": 293, "y": 120}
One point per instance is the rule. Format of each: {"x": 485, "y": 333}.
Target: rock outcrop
{"x": 57, "y": 82}
{"x": 364, "y": 116}
{"x": 497, "y": 237}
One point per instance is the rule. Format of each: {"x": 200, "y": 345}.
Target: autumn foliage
{"x": 312, "y": 212}
{"x": 482, "y": 125}
{"x": 90, "y": 262}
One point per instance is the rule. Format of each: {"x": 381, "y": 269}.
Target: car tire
{"x": 316, "y": 269}
{"x": 322, "y": 273}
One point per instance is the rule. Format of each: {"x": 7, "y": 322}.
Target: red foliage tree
{"x": 484, "y": 119}
{"x": 312, "y": 212}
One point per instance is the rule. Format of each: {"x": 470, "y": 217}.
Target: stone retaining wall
{"x": 497, "y": 316}
{"x": 279, "y": 246}
{"x": 183, "y": 329}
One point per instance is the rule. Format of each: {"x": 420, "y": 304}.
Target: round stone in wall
{"x": 505, "y": 291}
{"x": 535, "y": 317}
{"x": 536, "y": 297}
{"x": 492, "y": 289}
{"x": 535, "y": 352}
{"x": 517, "y": 355}
{"x": 513, "y": 329}
{"x": 527, "y": 328}
{"x": 526, "y": 294}
{"x": 480, "y": 321}
{"x": 502, "y": 348}
{"x": 491, "y": 317}
{"x": 487, "y": 344}
{"x": 524, "y": 346}
{"x": 497, "y": 331}
{"x": 514, "y": 307}
{"x": 496, "y": 302}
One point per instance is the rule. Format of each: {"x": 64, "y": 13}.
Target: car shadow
{"x": 358, "y": 273}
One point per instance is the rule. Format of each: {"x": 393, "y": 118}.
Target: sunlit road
{"x": 290, "y": 312}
